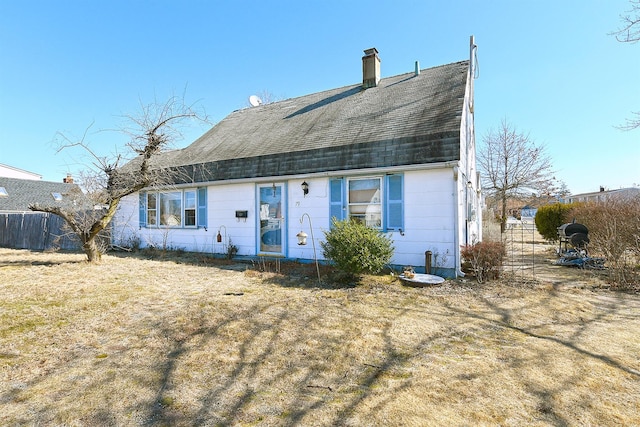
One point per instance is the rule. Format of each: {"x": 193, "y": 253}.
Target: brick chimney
{"x": 370, "y": 68}
{"x": 68, "y": 179}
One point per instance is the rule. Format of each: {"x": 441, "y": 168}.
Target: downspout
{"x": 456, "y": 228}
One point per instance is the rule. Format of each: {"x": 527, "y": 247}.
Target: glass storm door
{"x": 271, "y": 226}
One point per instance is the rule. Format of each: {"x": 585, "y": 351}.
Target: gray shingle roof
{"x": 23, "y": 192}
{"x": 406, "y": 119}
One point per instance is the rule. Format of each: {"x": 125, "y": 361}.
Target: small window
{"x": 189, "y": 208}
{"x": 57, "y": 197}
{"x": 152, "y": 217}
{"x": 3, "y": 192}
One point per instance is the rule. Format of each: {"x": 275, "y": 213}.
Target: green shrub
{"x": 355, "y": 248}
{"x": 485, "y": 259}
{"x": 550, "y": 217}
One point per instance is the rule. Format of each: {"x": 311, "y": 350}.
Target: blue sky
{"x": 549, "y": 67}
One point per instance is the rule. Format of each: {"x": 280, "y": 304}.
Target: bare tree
{"x": 109, "y": 179}
{"x": 512, "y": 166}
{"x": 629, "y": 32}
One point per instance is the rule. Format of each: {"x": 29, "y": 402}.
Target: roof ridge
{"x": 335, "y": 89}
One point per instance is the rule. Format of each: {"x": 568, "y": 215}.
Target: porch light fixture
{"x": 305, "y": 188}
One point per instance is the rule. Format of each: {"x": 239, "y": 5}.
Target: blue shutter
{"x": 202, "y": 207}
{"x": 336, "y": 199}
{"x": 394, "y": 202}
{"x": 142, "y": 209}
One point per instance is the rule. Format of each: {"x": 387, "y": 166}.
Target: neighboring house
{"x": 528, "y": 212}
{"x": 604, "y": 195}
{"x": 22, "y": 228}
{"x": 11, "y": 172}
{"x": 397, "y": 153}
{"x": 16, "y": 195}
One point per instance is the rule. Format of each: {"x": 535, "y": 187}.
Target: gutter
{"x": 456, "y": 232}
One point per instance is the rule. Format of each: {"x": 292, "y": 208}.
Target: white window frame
{"x": 193, "y": 210}
{"x": 375, "y": 201}
{"x": 163, "y": 202}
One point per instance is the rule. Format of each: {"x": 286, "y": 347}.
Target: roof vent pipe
{"x": 417, "y": 72}
{"x": 370, "y": 68}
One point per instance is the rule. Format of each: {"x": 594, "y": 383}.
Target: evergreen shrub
{"x": 550, "y": 217}
{"x": 355, "y": 248}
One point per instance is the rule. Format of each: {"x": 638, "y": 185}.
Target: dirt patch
{"x": 531, "y": 258}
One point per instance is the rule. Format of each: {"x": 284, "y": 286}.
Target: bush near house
{"x": 485, "y": 259}
{"x": 550, "y": 217}
{"x": 355, "y": 248}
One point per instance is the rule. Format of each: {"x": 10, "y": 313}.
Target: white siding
{"x": 11, "y": 172}
{"x": 316, "y": 205}
{"x": 429, "y": 220}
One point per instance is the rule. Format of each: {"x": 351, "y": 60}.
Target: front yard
{"x": 134, "y": 341}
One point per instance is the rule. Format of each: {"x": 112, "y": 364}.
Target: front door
{"x": 271, "y": 226}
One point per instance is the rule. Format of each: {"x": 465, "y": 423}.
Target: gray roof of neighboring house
{"x": 622, "y": 192}
{"x": 407, "y": 119}
{"x": 23, "y": 192}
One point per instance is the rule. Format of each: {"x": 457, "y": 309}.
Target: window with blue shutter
{"x": 365, "y": 209}
{"x": 142, "y": 209}
{"x": 336, "y": 199}
{"x": 202, "y": 207}
{"x": 394, "y": 203}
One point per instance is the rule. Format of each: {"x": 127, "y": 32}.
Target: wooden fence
{"x": 35, "y": 231}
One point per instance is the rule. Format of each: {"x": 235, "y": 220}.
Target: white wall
{"x": 11, "y": 172}
{"x": 429, "y": 218}
{"x": 428, "y": 207}
{"x": 316, "y": 205}
{"x": 471, "y": 225}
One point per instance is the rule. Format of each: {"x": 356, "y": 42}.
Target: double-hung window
{"x": 183, "y": 208}
{"x": 189, "y": 208}
{"x": 152, "y": 211}
{"x": 364, "y": 200}
{"x": 376, "y": 201}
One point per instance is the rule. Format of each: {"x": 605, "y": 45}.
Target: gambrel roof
{"x": 406, "y": 119}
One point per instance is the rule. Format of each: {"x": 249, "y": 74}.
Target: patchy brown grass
{"x": 188, "y": 341}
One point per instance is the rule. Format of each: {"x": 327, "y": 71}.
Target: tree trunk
{"x": 90, "y": 248}
{"x": 503, "y": 217}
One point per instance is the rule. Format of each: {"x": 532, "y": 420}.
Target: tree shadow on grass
{"x": 532, "y": 365}
{"x": 246, "y": 358}
{"x": 284, "y": 379}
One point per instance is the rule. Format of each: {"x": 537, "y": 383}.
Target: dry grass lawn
{"x": 167, "y": 342}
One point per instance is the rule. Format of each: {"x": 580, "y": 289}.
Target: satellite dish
{"x": 255, "y": 100}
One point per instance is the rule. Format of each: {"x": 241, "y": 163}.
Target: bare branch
{"x": 629, "y": 32}
{"x": 513, "y": 165}
{"x": 632, "y": 123}
{"x": 107, "y": 182}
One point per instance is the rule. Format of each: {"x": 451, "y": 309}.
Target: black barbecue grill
{"x": 577, "y": 235}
